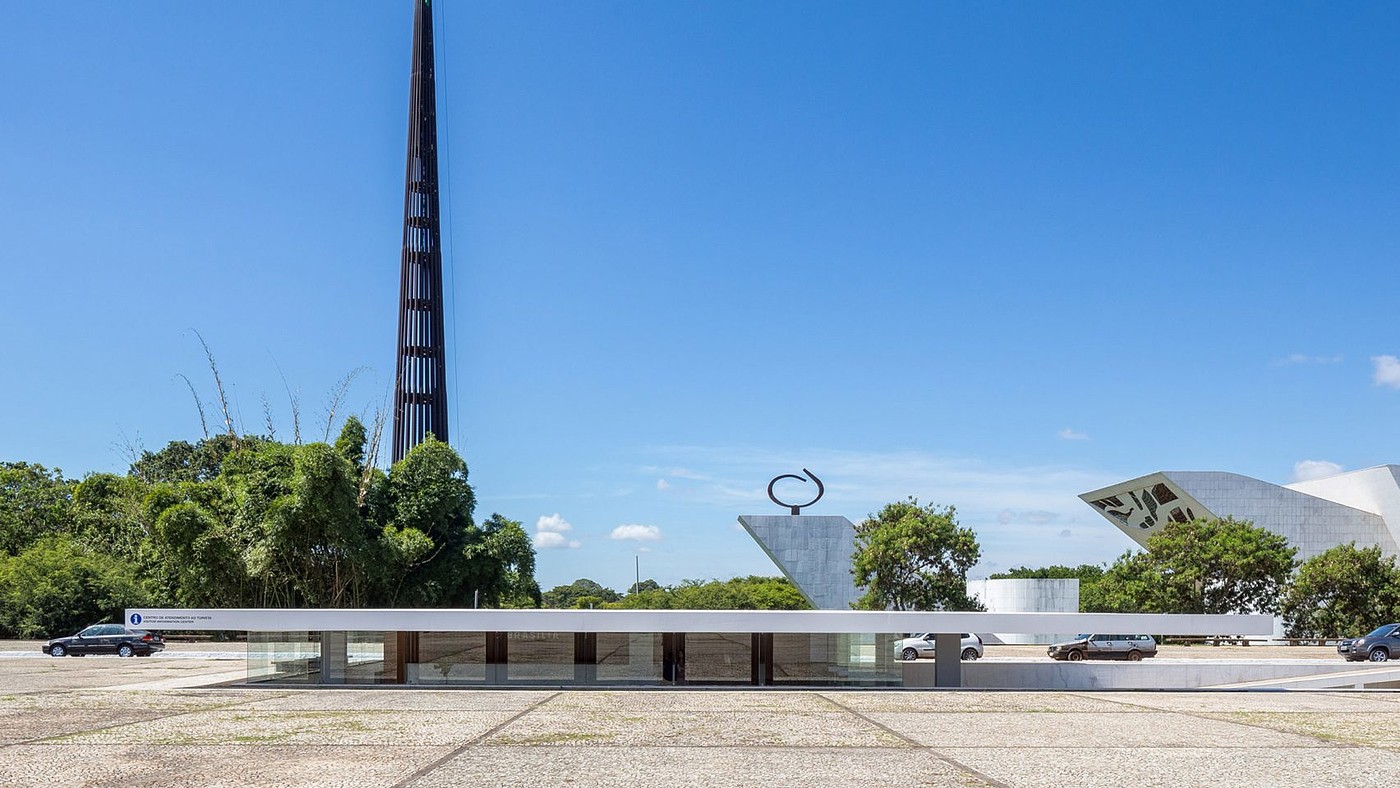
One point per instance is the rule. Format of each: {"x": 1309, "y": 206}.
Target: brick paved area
{"x": 81, "y": 722}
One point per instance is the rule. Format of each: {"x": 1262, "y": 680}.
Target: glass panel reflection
{"x": 284, "y": 657}
{"x": 834, "y": 659}
{"x": 718, "y": 658}
{"x": 449, "y": 658}
{"x": 540, "y": 657}
{"x": 629, "y": 658}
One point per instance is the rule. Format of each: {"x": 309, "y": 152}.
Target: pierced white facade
{"x": 1357, "y": 506}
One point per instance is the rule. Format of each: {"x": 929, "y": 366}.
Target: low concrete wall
{"x": 1149, "y": 674}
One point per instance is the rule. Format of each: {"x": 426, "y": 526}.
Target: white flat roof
{"x": 785, "y": 621}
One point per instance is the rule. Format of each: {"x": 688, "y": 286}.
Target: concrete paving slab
{"x": 975, "y": 701}
{"x": 1373, "y": 728}
{"x": 212, "y": 767}
{"x": 1173, "y": 767}
{"x": 396, "y": 700}
{"x": 631, "y": 728}
{"x": 1163, "y": 729}
{"x": 681, "y": 767}
{"x": 693, "y": 700}
{"x": 1202, "y": 702}
{"x": 167, "y": 702}
{"x": 44, "y": 674}
{"x": 362, "y": 727}
{"x": 24, "y": 726}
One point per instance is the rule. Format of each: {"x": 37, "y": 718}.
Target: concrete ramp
{"x": 1384, "y": 676}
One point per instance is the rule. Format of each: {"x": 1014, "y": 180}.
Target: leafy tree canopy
{"x": 1344, "y": 591}
{"x": 251, "y": 522}
{"x": 59, "y": 586}
{"x": 738, "y": 593}
{"x": 568, "y": 596}
{"x": 1201, "y": 566}
{"x": 34, "y": 503}
{"x": 912, "y": 557}
{"x": 1083, "y": 572}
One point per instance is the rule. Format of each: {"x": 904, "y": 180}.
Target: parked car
{"x": 107, "y": 639}
{"x": 1130, "y": 647}
{"x": 1378, "y": 645}
{"x": 921, "y": 645}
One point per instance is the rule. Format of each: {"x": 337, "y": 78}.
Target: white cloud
{"x": 1303, "y": 358}
{"x": 644, "y": 549}
{"x": 641, "y": 533}
{"x": 860, "y": 482}
{"x": 547, "y": 540}
{"x": 663, "y": 485}
{"x": 1307, "y": 470}
{"x": 553, "y": 523}
{"x": 1070, "y": 435}
{"x": 1387, "y": 371}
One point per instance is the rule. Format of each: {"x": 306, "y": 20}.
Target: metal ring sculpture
{"x": 796, "y": 509}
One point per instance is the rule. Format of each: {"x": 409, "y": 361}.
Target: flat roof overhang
{"x": 766, "y": 621}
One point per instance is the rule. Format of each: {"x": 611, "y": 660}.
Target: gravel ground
{"x": 104, "y": 721}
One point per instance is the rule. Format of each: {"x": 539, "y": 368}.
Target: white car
{"x": 921, "y": 645}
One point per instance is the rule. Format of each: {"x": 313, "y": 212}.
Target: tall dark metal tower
{"x": 420, "y": 387}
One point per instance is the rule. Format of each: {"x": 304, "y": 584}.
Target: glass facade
{"x": 540, "y": 657}
{"x": 719, "y": 658}
{"x": 572, "y": 658}
{"x": 284, "y": 657}
{"x": 630, "y": 658}
{"x": 447, "y": 658}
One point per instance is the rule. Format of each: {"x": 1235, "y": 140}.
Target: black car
{"x": 107, "y": 639}
{"x": 1378, "y": 645}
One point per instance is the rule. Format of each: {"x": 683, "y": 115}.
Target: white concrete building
{"x": 1010, "y": 595}
{"x": 1357, "y": 506}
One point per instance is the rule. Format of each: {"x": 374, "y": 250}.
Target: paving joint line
{"x": 432, "y": 767}
{"x": 115, "y": 725}
{"x": 989, "y": 780}
{"x": 1202, "y": 715}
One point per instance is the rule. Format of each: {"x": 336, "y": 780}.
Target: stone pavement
{"x": 78, "y": 722}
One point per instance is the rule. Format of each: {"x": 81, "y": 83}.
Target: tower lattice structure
{"x": 420, "y": 386}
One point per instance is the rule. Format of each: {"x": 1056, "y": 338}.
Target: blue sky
{"x": 991, "y": 255}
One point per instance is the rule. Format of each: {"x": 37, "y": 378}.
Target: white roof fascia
{"x": 768, "y": 621}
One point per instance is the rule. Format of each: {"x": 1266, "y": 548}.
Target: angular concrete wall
{"x": 813, "y": 552}
{"x": 1359, "y": 506}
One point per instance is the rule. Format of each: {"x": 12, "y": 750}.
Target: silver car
{"x": 921, "y": 645}
{"x": 1130, "y": 647}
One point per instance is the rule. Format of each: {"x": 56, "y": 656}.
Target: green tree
{"x": 912, "y": 557}
{"x": 1201, "y": 566}
{"x": 645, "y": 585}
{"x": 58, "y": 586}
{"x": 181, "y": 461}
{"x": 1343, "y": 591}
{"x": 1126, "y": 587}
{"x": 108, "y": 514}
{"x": 34, "y": 503}
{"x": 503, "y": 565}
{"x": 251, "y": 522}
{"x": 351, "y": 443}
{"x": 738, "y": 593}
{"x": 568, "y": 596}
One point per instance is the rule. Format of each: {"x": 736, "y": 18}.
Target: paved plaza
{"x": 108, "y": 721}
